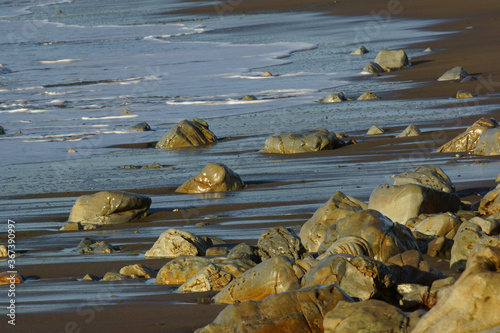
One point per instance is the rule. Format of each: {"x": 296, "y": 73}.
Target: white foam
{"x": 61, "y": 61}
{"x": 110, "y": 117}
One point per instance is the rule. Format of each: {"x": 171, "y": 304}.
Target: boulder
{"x": 370, "y": 316}
{"x": 372, "y": 68}
{"x": 413, "y": 296}
{"x": 294, "y": 311}
{"x": 208, "y": 278}
{"x": 426, "y": 175}
{"x": 111, "y": 207}
{"x": 410, "y": 267}
{"x": 243, "y": 251}
{"x": 138, "y": 271}
{"x": 437, "y": 290}
{"x": 279, "y": 241}
{"x": 463, "y": 94}
{"x": 360, "y": 50}
{"x": 140, "y": 127}
{"x": 216, "y": 251}
{"x": 333, "y": 98}
{"x": 187, "y": 133}
{"x": 10, "y": 278}
{"x": 411, "y": 130}
{"x": 174, "y": 242}
{"x": 445, "y": 224}
{"x": 391, "y": 60}
{"x": 490, "y": 204}
{"x": 337, "y": 207}
{"x": 488, "y": 143}
{"x": 375, "y": 130}
{"x": 359, "y": 277}
{"x": 401, "y": 203}
{"x": 454, "y": 74}
{"x": 467, "y": 141}
{"x": 467, "y": 237}
{"x": 385, "y": 237}
{"x": 472, "y": 303}
{"x": 235, "y": 267}
{"x": 113, "y": 276}
{"x": 352, "y": 245}
{"x": 440, "y": 247}
{"x": 367, "y": 95}
{"x": 213, "y": 178}
{"x": 89, "y": 246}
{"x": 275, "y": 275}
{"x": 490, "y": 225}
{"x": 302, "y": 142}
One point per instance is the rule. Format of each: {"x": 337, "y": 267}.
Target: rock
{"x": 463, "y": 94}
{"x": 368, "y": 316}
{"x": 337, "y": 207}
{"x": 429, "y": 49}
{"x": 454, "y": 74}
{"x": 390, "y": 60}
{"x": 488, "y": 143}
{"x": 302, "y": 142}
{"x": 2, "y": 130}
{"x": 71, "y": 150}
{"x": 138, "y": 271}
{"x": 174, "y": 242}
{"x": 426, "y": 175}
{"x": 279, "y": 241}
{"x": 333, "y": 98}
{"x": 413, "y": 295}
{"x": 294, "y": 311}
{"x": 90, "y": 246}
{"x": 411, "y": 130}
{"x": 401, "y": 203}
{"x": 359, "y": 277}
{"x": 471, "y": 304}
{"x": 467, "y": 237}
{"x": 374, "y": 130}
{"x": 181, "y": 269}
{"x": 235, "y": 267}
{"x": 71, "y": 226}
{"x": 367, "y": 95}
{"x": 187, "y": 133}
{"x": 126, "y": 112}
{"x": 216, "y": 251}
{"x": 4, "y": 70}
{"x": 440, "y": 247}
{"x": 10, "y": 278}
{"x": 243, "y": 251}
{"x": 360, "y": 50}
{"x": 372, "y": 68}
{"x": 110, "y": 207}
{"x": 113, "y": 276}
{"x": 467, "y": 141}
{"x": 410, "y": 267}
{"x": 90, "y": 277}
{"x": 152, "y": 166}
{"x": 385, "y": 237}
{"x": 140, "y": 127}
{"x": 4, "y": 253}
{"x": 249, "y": 98}
{"x": 352, "y": 245}
{"x": 208, "y": 278}
{"x": 489, "y": 226}
{"x": 438, "y": 289}
{"x": 213, "y": 178}
{"x": 445, "y": 224}
{"x": 273, "y": 276}
{"x": 267, "y": 74}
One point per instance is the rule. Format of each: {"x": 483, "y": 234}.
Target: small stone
{"x": 367, "y": 95}
{"x": 3, "y": 251}
{"x": 72, "y": 226}
{"x": 201, "y": 224}
{"x": 126, "y": 112}
{"x": 59, "y": 12}
{"x": 267, "y": 74}
{"x": 360, "y": 50}
{"x": 10, "y": 278}
{"x": 153, "y": 166}
{"x": 113, "y": 276}
{"x": 333, "y": 98}
{"x": 90, "y": 277}
{"x": 454, "y": 74}
{"x": 429, "y": 49}
{"x": 411, "y": 130}
{"x": 373, "y": 68}
{"x": 140, "y": 127}
{"x": 375, "y": 130}
{"x": 249, "y": 98}
{"x": 138, "y": 271}
{"x": 71, "y": 150}
{"x": 131, "y": 167}
{"x": 464, "y": 94}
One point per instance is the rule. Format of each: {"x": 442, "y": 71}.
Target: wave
{"x": 59, "y": 61}
{"x": 111, "y": 117}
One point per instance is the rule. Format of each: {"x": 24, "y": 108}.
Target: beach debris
{"x": 401, "y": 203}
{"x": 454, "y": 74}
{"x": 372, "y": 68}
{"x": 216, "y": 251}
{"x": 126, "y": 112}
{"x": 360, "y": 50}
{"x": 352, "y": 245}
{"x": 249, "y": 98}
{"x": 174, "y": 242}
{"x": 10, "y": 278}
{"x": 213, "y": 178}
{"x": 463, "y": 94}
{"x": 367, "y": 95}
{"x": 3, "y": 251}
{"x": 71, "y": 150}
{"x": 333, "y": 98}
{"x": 490, "y": 204}
{"x": 375, "y": 130}
{"x": 187, "y": 133}
{"x": 468, "y": 304}
{"x": 109, "y": 207}
{"x": 208, "y": 278}
{"x": 72, "y": 226}
{"x": 90, "y": 277}
{"x": 4, "y": 70}
{"x": 429, "y": 49}
{"x": 2, "y": 130}
{"x": 279, "y": 241}
{"x": 377, "y": 316}
{"x": 467, "y": 141}
{"x": 267, "y": 74}
{"x": 140, "y": 127}
{"x": 444, "y": 224}
{"x": 298, "y": 311}
{"x": 385, "y": 237}
{"x": 90, "y": 246}
{"x": 440, "y": 247}
{"x": 301, "y": 142}
{"x": 243, "y": 251}
{"x": 337, "y": 207}
{"x": 138, "y": 271}
{"x": 391, "y": 60}
{"x": 113, "y": 276}
{"x": 488, "y": 143}
{"x": 426, "y": 175}
{"x": 411, "y": 130}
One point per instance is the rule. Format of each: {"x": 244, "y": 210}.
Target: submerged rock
{"x": 411, "y": 130}
{"x": 375, "y": 130}
{"x": 467, "y": 141}
{"x": 360, "y": 50}
{"x": 333, "y": 98}
{"x": 367, "y": 95}
{"x": 488, "y": 143}
{"x": 302, "y": 142}
{"x": 426, "y": 175}
{"x": 454, "y": 74}
{"x": 89, "y": 246}
{"x": 390, "y": 60}
{"x": 140, "y": 127}
{"x": 174, "y": 242}
{"x": 373, "y": 68}
{"x": 187, "y": 133}
{"x": 110, "y": 207}
{"x": 213, "y": 178}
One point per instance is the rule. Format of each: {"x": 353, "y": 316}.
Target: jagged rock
{"x": 490, "y": 225}
{"x": 488, "y": 143}
{"x": 411, "y": 130}
{"x": 333, "y": 98}
{"x": 10, "y": 278}
{"x": 113, "y": 276}
{"x": 467, "y": 237}
{"x": 337, "y": 207}
{"x": 373, "y": 68}
{"x": 445, "y": 224}
{"x": 385, "y": 237}
{"x": 111, "y": 207}
{"x": 187, "y": 133}
{"x": 352, "y": 245}
{"x": 463, "y": 94}
{"x": 440, "y": 247}
{"x": 208, "y": 278}
{"x": 401, "y": 203}
{"x": 174, "y": 242}
{"x": 243, "y": 251}
{"x": 302, "y": 142}
{"x": 294, "y": 311}
{"x": 368, "y": 316}
{"x": 367, "y": 95}
{"x": 138, "y": 271}
{"x": 275, "y": 275}
{"x": 390, "y": 60}
{"x": 454, "y": 74}
{"x": 375, "y": 130}
{"x": 472, "y": 303}
{"x": 467, "y": 141}
{"x": 410, "y": 267}
{"x": 213, "y": 178}
{"x": 90, "y": 277}
{"x": 360, "y": 50}
{"x": 426, "y": 175}
{"x": 360, "y": 277}
{"x": 249, "y": 98}
{"x": 279, "y": 241}
{"x": 216, "y": 251}
{"x": 88, "y": 246}
{"x": 140, "y": 127}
